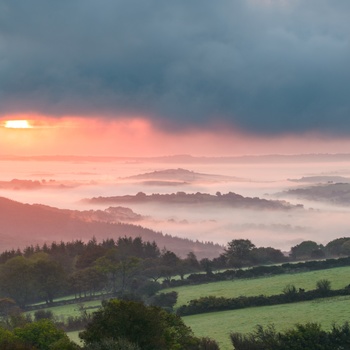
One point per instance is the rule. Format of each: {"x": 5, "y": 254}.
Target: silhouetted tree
{"x": 304, "y": 250}
{"x": 335, "y": 247}
{"x": 17, "y": 280}
{"x": 238, "y": 252}
{"x": 49, "y": 277}
{"x": 323, "y": 286}
{"x": 147, "y": 326}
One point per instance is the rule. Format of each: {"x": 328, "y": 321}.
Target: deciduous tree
{"x": 150, "y": 327}
{"x": 237, "y": 252}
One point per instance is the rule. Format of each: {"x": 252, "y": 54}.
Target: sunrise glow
{"x": 17, "y": 124}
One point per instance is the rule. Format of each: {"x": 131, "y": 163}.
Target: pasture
{"x": 271, "y": 285}
{"x": 74, "y": 336}
{"x": 218, "y": 325}
{"x": 64, "y": 311}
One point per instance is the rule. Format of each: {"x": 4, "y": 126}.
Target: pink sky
{"x": 137, "y": 136}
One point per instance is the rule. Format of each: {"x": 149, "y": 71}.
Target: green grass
{"x": 218, "y": 325}
{"x": 71, "y": 309}
{"x": 74, "y": 336}
{"x": 66, "y": 298}
{"x": 339, "y": 277}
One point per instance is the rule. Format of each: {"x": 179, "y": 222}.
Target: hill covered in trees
{"x": 335, "y": 193}
{"x": 25, "y": 224}
{"x": 229, "y": 199}
{"x": 180, "y": 175}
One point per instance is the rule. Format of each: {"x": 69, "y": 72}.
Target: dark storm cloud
{"x": 262, "y": 65}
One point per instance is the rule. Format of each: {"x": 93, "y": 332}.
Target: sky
{"x": 126, "y": 77}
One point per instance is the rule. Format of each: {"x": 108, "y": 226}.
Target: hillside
{"x": 322, "y": 179}
{"x": 180, "y": 175}
{"x": 24, "y": 224}
{"x": 337, "y": 193}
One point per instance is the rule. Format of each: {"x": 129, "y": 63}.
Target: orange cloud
{"x": 137, "y": 136}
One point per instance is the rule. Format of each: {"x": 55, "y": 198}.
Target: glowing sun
{"x": 17, "y": 124}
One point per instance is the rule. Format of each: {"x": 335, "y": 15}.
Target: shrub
{"x": 206, "y": 343}
{"x": 41, "y": 334}
{"x": 323, "y": 286}
{"x": 290, "y": 291}
{"x": 43, "y": 314}
{"x": 148, "y": 326}
{"x": 308, "y": 336}
{"x": 165, "y": 300}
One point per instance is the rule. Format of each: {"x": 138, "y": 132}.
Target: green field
{"x": 218, "y": 325}
{"x": 65, "y": 311}
{"x": 339, "y": 277}
{"x": 74, "y": 336}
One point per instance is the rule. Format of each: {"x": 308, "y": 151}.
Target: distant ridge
{"x": 25, "y": 224}
{"x": 322, "y": 179}
{"x": 183, "y": 175}
{"x": 335, "y": 193}
{"x": 188, "y": 159}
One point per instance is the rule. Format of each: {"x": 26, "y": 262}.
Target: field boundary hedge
{"x": 260, "y": 271}
{"x": 214, "y": 304}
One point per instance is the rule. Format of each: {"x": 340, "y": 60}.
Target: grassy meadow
{"x": 74, "y": 336}
{"x": 68, "y": 310}
{"x": 339, "y": 277}
{"x": 218, "y": 325}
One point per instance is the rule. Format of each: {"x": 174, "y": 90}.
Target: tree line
{"x": 111, "y": 268}
{"x": 130, "y": 265}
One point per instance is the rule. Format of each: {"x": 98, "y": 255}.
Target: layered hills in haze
{"x": 25, "y": 224}
{"x": 179, "y": 176}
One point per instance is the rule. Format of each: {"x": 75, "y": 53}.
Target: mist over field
{"x": 69, "y": 182}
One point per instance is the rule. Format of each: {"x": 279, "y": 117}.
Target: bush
{"x": 290, "y": 291}
{"x": 208, "y": 344}
{"x": 149, "y": 288}
{"x": 41, "y": 334}
{"x": 323, "y": 286}
{"x": 165, "y": 300}
{"x": 8, "y": 341}
{"x": 75, "y": 323}
{"x": 308, "y": 336}
{"x": 43, "y": 314}
{"x": 261, "y": 339}
{"x": 148, "y": 326}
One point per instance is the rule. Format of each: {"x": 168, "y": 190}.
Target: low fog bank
{"x": 318, "y": 221}
{"x": 265, "y": 228}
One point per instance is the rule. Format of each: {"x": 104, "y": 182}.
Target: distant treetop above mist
{"x": 180, "y": 175}
{"x": 181, "y": 198}
{"x": 335, "y": 193}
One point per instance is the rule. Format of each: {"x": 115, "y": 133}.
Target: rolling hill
{"x": 26, "y": 224}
